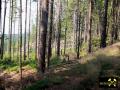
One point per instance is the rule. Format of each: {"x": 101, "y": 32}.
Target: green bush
{"x": 45, "y": 83}
{"x": 95, "y": 43}
{"x": 30, "y": 62}
{"x": 55, "y": 60}
{"x": 6, "y": 63}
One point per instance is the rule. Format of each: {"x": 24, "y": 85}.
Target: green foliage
{"x": 39, "y": 85}
{"x": 12, "y": 69}
{"x": 31, "y": 63}
{"x": 32, "y": 55}
{"x": 13, "y": 65}
{"x": 95, "y": 43}
{"x": 6, "y": 63}
{"x": 83, "y": 51}
{"x": 69, "y": 51}
{"x": 55, "y": 60}
{"x": 45, "y": 83}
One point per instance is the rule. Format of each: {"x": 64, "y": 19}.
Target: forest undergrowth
{"x": 78, "y": 74}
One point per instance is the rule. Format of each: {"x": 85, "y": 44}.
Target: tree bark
{"x": 104, "y": 26}
{"x": 20, "y": 59}
{"x": 36, "y": 35}
{"x": 116, "y": 24}
{"x": 29, "y": 30}
{"x": 89, "y": 27}
{"x": 10, "y": 30}
{"x": 50, "y": 33}
{"x": 0, "y": 27}
{"x": 59, "y": 31}
{"x": 25, "y": 31}
{"x": 113, "y": 22}
{"x": 42, "y": 46}
{"x": 3, "y": 33}
{"x": 65, "y": 31}
{"x": 78, "y": 29}
{"x": 78, "y": 44}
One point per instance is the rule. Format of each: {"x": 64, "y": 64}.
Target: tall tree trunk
{"x": 25, "y": 31}
{"x": 78, "y": 44}
{"x": 42, "y": 46}
{"x": 36, "y": 35}
{"x": 116, "y": 8}
{"x": 104, "y": 26}
{"x": 39, "y": 30}
{"x": 10, "y": 30}
{"x": 50, "y": 33}
{"x": 3, "y": 33}
{"x": 74, "y": 28}
{"x": 18, "y": 48}
{"x": 9, "y": 27}
{"x": 89, "y": 26}
{"x": 78, "y": 29}
{"x": 76, "y": 35}
{"x": 0, "y": 27}
{"x": 66, "y": 31}
{"x": 85, "y": 31}
{"x": 65, "y": 39}
{"x": 20, "y": 59}
{"x": 29, "y": 30}
{"x": 113, "y": 22}
{"x": 14, "y": 36}
{"x": 59, "y": 31}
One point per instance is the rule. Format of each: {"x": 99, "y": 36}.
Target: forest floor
{"x": 77, "y": 74}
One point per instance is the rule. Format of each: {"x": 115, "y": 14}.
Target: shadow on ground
{"x": 77, "y": 76}
{"x": 80, "y": 74}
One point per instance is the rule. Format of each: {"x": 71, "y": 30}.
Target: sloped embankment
{"x": 83, "y": 74}
{"x": 80, "y": 74}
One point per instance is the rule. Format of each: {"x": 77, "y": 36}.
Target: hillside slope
{"x": 80, "y": 74}
{"x": 84, "y": 74}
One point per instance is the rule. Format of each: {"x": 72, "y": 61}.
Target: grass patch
{"x": 46, "y": 83}
{"x": 11, "y": 69}
{"x": 6, "y": 64}
{"x": 13, "y": 65}
{"x": 55, "y": 61}
{"x": 30, "y": 62}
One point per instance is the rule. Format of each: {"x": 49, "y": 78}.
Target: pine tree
{"x": 29, "y": 30}
{"x": 90, "y": 26}
{"x": 25, "y": 31}
{"x": 20, "y": 59}
{"x": 3, "y": 33}
{"x": 50, "y": 32}
{"x": 104, "y": 25}
{"x": 42, "y": 46}
{"x": 59, "y": 30}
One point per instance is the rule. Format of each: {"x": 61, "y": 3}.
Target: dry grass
{"x": 80, "y": 74}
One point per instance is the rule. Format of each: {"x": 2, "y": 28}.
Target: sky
{"x": 33, "y": 15}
